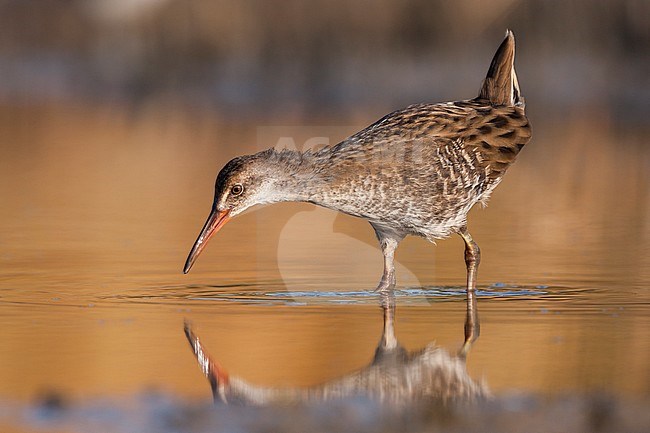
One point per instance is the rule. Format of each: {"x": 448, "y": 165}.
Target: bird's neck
{"x": 308, "y": 177}
{"x": 295, "y": 176}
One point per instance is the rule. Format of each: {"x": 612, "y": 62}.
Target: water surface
{"x": 97, "y": 219}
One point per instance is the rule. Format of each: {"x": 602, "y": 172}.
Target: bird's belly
{"x": 430, "y": 222}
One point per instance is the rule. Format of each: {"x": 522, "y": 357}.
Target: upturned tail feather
{"x": 500, "y": 86}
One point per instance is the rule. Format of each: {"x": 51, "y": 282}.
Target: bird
{"x": 415, "y": 172}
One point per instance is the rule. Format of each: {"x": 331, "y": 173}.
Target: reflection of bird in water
{"x": 417, "y": 171}
{"x": 395, "y": 376}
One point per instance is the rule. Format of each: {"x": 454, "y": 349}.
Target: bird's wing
{"x": 495, "y": 135}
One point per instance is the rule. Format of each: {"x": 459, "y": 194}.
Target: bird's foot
{"x": 387, "y": 300}
{"x": 385, "y": 287}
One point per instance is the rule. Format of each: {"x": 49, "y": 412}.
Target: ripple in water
{"x": 262, "y": 295}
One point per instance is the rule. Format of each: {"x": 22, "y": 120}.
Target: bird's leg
{"x": 387, "y": 283}
{"x": 472, "y": 260}
{"x": 472, "y": 326}
{"x": 388, "y": 340}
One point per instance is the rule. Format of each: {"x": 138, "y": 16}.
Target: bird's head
{"x": 243, "y": 182}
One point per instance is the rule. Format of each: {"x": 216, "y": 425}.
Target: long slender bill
{"x": 215, "y": 221}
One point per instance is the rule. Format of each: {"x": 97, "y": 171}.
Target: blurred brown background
{"x": 267, "y": 58}
{"x": 115, "y": 116}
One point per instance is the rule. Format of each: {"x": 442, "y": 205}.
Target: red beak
{"x": 215, "y": 221}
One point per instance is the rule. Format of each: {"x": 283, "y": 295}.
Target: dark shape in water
{"x": 395, "y": 376}
{"x": 417, "y": 171}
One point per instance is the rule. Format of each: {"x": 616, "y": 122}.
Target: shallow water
{"x": 99, "y": 211}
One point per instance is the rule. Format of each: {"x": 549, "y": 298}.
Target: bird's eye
{"x": 236, "y": 189}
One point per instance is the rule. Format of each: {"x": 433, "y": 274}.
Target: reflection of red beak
{"x": 219, "y": 378}
{"x": 215, "y": 221}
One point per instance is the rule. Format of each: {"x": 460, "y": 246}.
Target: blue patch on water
{"x": 321, "y": 294}
{"x": 497, "y": 290}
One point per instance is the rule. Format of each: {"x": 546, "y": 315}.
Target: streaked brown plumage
{"x": 417, "y": 171}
